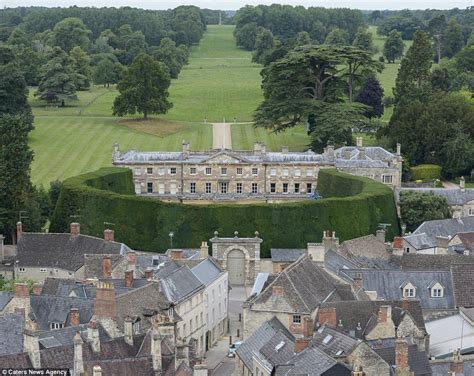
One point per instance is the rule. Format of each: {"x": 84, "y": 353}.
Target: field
{"x": 219, "y": 83}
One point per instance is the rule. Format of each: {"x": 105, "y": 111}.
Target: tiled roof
{"x": 180, "y": 284}
{"x": 352, "y": 315}
{"x": 463, "y": 280}
{"x": 5, "y": 298}
{"x": 62, "y": 250}
{"x": 207, "y": 271}
{"x": 305, "y": 286}
{"x": 310, "y": 361}
{"x": 286, "y": 254}
{"x": 417, "y": 360}
{"x": 453, "y": 196}
{"x": 365, "y": 246}
{"x": 387, "y": 284}
{"x": 429, "y": 230}
{"x": 467, "y": 239}
{"x": 278, "y": 349}
{"x": 11, "y": 334}
{"x": 334, "y": 342}
{"x": 93, "y": 264}
{"x": 186, "y": 253}
{"x": 411, "y": 261}
{"x": 65, "y": 336}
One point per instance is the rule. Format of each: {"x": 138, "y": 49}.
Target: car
{"x": 233, "y": 348}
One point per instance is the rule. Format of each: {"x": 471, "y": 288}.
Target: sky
{"x": 236, "y": 4}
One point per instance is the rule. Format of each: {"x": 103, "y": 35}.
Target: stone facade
{"x": 252, "y": 175}
{"x": 240, "y": 257}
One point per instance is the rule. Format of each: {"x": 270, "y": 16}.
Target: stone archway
{"x": 236, "y": 267}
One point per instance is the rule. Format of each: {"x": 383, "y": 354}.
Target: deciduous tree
{"x": 71, "y": 32}
{"x": 393, "y": 46}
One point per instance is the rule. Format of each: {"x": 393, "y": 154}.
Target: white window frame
{"x": 208, "y": 171}
{"x": 223, "y": 170}
{"x": 437, "y": 292}
{"x": 285, "y": 188}
{"x": 148, "y": 186}
{"x": 223, "y": 188}
{"x": 297, "y": 172}
{"x": 409, "y": 292}
{"x": 173, "y": 170}
{"x": 254, "y": 188}
{"x": 254, "y": 171}
{"x": 192, "y": 187}
{"x": 43, "y": 270}
{"x": 273, "y": 188}
{"x": 208, "y": 188}
{"x": 296, "y": 319}
{"x": 387, "y": 179}
{"x": 192, "y": 171}
{"x": 22, "y": 269}
{"x": 310, "y": 186}
{"x": 239, "y": 188}
{"x": 239, "y": 171}
{"x": 470, "y": 213}
{"x": 297, "y": 188}
{"x": 149, "y": 170}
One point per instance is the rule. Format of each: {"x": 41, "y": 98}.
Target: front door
{"x": 236, "y": 267}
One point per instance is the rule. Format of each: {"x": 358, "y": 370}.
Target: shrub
{"x": 426, "y": 172}
{"x": 352, "y": 206}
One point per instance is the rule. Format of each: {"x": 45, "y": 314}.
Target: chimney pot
{"x": 37, "y": 289}
{"x": 109, "y": 235}
{"x": 380, "y": 235}
{"x": 132, "y": 257}
{"x": 93, "y": 336}
{"x": 75, "y": 229}
{"x": 107, "y": 267}
{"x": 128, "y": 278}
{"x": 19, "y": 231}
{"x": 399, "y": 149}
{"x": 128, "y": 331}
{"x": 301, "y": 344}
{"x": 357, "y": 282}
{"x": 359, "y": 142}
{"x": 78, "y": 360}
{"x": 149, "y": 273}
{"x": 204, "y": 250}
{"x": 104, "y": 303}
{"x": 462, "y": 184}
{"x": 384, "y": 314}
{"x": 97, "y": 371}
{"x": 457, "y": 364}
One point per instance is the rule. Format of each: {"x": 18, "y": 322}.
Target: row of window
{"x": 224, "y": 171}
{"x": 410, "y": 292}
{"x": 224, "y": 188}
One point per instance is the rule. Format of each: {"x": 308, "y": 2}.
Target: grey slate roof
{"x": 286, "y": 254}
{"x": 47, "y": 309}
{"x": 278, "y": 349}
{"x": 411, "y": 261}
{"x": 442, "y": 367}
{"x": 62, "y": 250}
{"x": 365, "y": 246}
{"x": 257, "y": 340}
{"x": 165, "y": 270}
{"x": 388, "y": 284}
{"x": 180, "y": 284}
{"x": 5, "y": 298}
{"x": 463, "y": 280}
{"x": 352, "y": 315}
{"x": 187, "y": 253}
{"x": 425, "y": 235}
{"x": 207, "y": 271}
{"x": 467, "y": 239}
{"x": 453, "y": 196}
{"x": 310, "y": 361}
{"x": 11, "y": 334}
{"x": 65, "y": 336}
{"x": 305, "y": 286}
{"x": 334, "y": 342}
{"x": 93, "y": 264}
{"x": 375, "y": 156}
{"x": 417, "y": 360}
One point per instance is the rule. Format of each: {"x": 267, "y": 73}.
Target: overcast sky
{"x": 236, "y": 4}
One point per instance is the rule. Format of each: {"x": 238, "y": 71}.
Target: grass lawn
{"x": 65, "y": 146}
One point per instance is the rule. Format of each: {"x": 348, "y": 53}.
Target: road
{"x": 216, "y": 357}
{"x": 221, "y": 136}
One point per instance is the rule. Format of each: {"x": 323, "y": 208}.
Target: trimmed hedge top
{"x": 352, "y": 206}
{"x": 426, "y": 172}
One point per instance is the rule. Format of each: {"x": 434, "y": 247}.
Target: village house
{"x": 42, "y": 255}
{"x": 253, "y": 175}
{"x": 460, "y": 200}
{"x": 436, "y": 237}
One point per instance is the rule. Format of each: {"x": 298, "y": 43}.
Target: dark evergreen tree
{"x": 371, "y": 94}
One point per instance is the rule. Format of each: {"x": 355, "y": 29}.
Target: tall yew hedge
{"x": 352, "y": 206}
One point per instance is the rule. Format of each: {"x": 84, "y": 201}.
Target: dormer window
{"x": 409, "y": 291}
{"x": 436, "y": 289}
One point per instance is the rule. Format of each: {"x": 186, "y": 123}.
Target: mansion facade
{"x": 252, "y": 175}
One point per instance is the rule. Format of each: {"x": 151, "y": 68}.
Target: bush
{"x": 426, "y": 172}
{"x": 352, "y": 206}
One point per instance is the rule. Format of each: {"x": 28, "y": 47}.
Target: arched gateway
{"x": 240, "y": 257}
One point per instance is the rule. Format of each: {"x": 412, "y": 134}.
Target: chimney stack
{"x": 357, "y": 283}
{"x": 185, "y": 146}
{"x": 301, "y": 344}
{"x": 330, "y": 241}
{"x": 401, "y": 356}
{"x": 442, "y": 244}
{"x": 31, "y": 345}
{"x": 107, "y": 267}
{"x": 156, "y": 349}
{"x": 357, "y": 371}
{"x": 149, "y": 273}
{"x": 37, "y": 289}
{"x": 78, "y": 361}
{"x": 384, "y": 314}
{"x": 132, "y": 257}
{"x": 397, "y": 246}
{"x": 316, "y": 252}
{"x": 182, "y": 353}
{"x": 462, "y": 184}
{"x": 204, "y": 250}
{"x": 346, "y": 153}
{"x": 104, "y": 303}
{"x": 200, "y": 369}
{"x": 109, "y": 235}
{"x": 96, "y": 371}
{"x": 176, "y": 254}
{"x": 399, "y": 149}
{"x": 361, "y": 154}
{"x": 22, "y": 290}
{"x": 277, "y": 291}
{"x": 380, "y": 235}
{"x": 128, "y": 278}
{"x": 359, "y": 142}
{"x": 457, "y": 364}
{"x": 128, "y": 326}
{"x": 75, "y": 229}
{"x": 74, "y": 317}
{"x": 308, "y": 327}
{"x": 19, "y": 231}
{"x": 327, "y": 316}
{"x": 93, "y": 336}
{"x": 406, "y": 304}
{"x": 329, "y": 151}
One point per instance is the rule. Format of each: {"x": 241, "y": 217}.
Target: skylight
{"x": 280, "y": 346}
{"x": 327, "y": 339}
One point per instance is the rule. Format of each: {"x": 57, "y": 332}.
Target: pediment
{"x": 225, "y": 157}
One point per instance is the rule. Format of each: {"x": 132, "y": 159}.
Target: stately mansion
{"x": 251, "y": 175}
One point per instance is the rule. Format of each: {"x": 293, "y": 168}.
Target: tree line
{"x": 63, "y": 57}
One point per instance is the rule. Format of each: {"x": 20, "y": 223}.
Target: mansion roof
{"x": 342, "y": 157}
